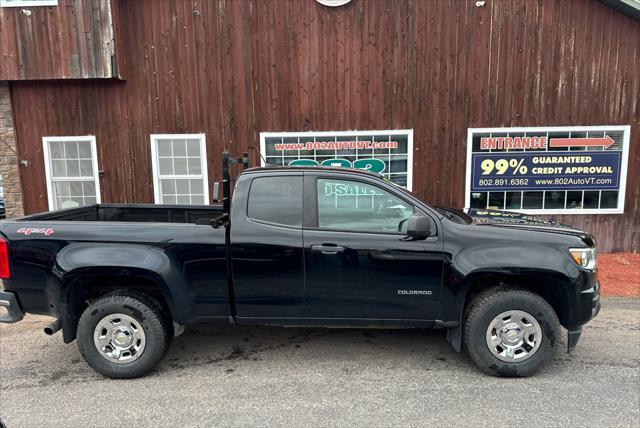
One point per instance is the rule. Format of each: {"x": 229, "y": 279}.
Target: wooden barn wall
{"x": 232, "y": 69}
{"x": 72, "y": 40}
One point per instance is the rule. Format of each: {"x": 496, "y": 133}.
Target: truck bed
{"x": 143, "y": 213}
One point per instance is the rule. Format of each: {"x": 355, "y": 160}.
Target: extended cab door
{"x": 266, "y": 245}
{"x": 359, "y": 262}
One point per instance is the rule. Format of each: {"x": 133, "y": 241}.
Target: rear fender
{"x": 79, "y": 261}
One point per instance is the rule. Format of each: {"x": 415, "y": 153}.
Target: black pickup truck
{"x": 300, "y": 246}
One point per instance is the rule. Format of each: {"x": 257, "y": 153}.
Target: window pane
{"x": 77, "y": 201}
{"x": 89, "y": 188}
{"x": 84, "y": 149}
{"x": 496, "y": 200}
{"x": 180, "y": 166}
{"x": 399, "y": 179}
{"x": 574, "y": 200}
{"x": 179, "y": 148}
{"x": 513, "y": 200}
{"x": 164, "y": 148}
{"x": 194, "y": 166}
{"x": 398, "y": 164}
{"x": 183, "y": 200}
{"x": 193, "y": 148}
{"x": 479, "y": 200}
{"x": 355, "y": 206}
{"x": 197, "y": 187}
{"x": 532, "y": 200}
{"x": 71, "y": 150}
{"x": 182, "y": 187}
{"x": 75, "y": 188}
{"x": 56, "y": 149}
{"x": 591, "y": 199}
{"x": 554, "y": 200}
{"x": 166, "y": 166}
{"x": 276, "y": 200}
{"x": 86, "y": 168}
{"x": 609, "y": 199}
{"x": 168, "y": 187}
{"x": 61, "y": 188}
{"x": 197, "y": 199}
{"x": 171, "y": 200}
{"x": 59, "y": 168}
{"x": 64, "y": 202}
{"x": 73, "y": 168}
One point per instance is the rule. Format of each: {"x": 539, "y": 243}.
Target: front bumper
{"x": 594, "y": 294}
{"x": 10, "y": 303}
{"x": 592, "y": 307}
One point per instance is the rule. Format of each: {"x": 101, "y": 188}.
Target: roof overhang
{"x": 631, "y": 8}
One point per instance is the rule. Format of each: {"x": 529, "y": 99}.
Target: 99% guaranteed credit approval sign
{"x": 546, "y": 170}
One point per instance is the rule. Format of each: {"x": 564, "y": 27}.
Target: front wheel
{"x": 510, "y": 332}
{"x": 124, "y": 335}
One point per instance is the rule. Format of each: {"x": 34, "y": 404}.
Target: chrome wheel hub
{"x": 514, "y": 336}
{"x": 119, "y": 338}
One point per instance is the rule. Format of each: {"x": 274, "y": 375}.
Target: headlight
{"x": 585, "y": 257}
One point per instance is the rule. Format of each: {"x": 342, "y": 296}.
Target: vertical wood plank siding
{"x": 232, "y": 69}
{"x": 70, "y": 41}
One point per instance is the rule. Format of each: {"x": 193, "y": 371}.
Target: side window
{"x": 355, "y": 206}
{"x": 276, "y": 200}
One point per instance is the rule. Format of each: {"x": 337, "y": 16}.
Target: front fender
{"x": 549, "y": 263}
{"x": 543, "y": 266}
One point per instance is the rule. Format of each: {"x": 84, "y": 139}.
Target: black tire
{"x": 489, "y": 304}
{"x": 157, "y": 327}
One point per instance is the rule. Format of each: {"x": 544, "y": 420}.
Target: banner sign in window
{"x": 387, "y": 153}
{"x": 548, "y": 170}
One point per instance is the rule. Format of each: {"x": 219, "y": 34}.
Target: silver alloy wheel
{"x": 514, "y": 336}
{"x": 119, "y": 338}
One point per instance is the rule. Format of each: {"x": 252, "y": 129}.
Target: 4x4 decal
{"x": 46, "y": 231}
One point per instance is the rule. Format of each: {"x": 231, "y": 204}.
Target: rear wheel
{"x": 124, "y": 335}
{"x": 510, "y": 332}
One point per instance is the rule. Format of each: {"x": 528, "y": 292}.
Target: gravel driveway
{"x": 247, "y": 376}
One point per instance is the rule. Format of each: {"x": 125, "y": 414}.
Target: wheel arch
{"x": 80, "y": 288}
{"x": 551, "y": 286}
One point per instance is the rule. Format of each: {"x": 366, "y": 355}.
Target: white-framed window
{"x": 71, "y": 170}
{"x": 179, "y": 164}
{"x": 385, "y": 152}
{"x": 27, "y": 3}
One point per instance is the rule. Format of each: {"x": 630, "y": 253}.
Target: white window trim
{"x": 156, "y": 168}
{"x": 28, "y": 3}
{"x": 626, "y": 130}
{"x": 407, "y": 132}
{"x": 47, "y": 165}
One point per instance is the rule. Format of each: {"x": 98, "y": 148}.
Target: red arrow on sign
{"x": 582, "y": 142}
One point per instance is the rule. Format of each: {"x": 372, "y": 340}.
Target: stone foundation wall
{"x": 9, "y": 163}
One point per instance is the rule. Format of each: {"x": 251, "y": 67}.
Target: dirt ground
{"x": 619, "y": 274}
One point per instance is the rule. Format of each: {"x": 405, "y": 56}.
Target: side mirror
{"x": 420, "y": 226}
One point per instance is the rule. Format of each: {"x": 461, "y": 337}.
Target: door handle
{"x": 328, "y": 249}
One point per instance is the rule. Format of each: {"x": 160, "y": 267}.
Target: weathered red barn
{"x": 134, "y": 101}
